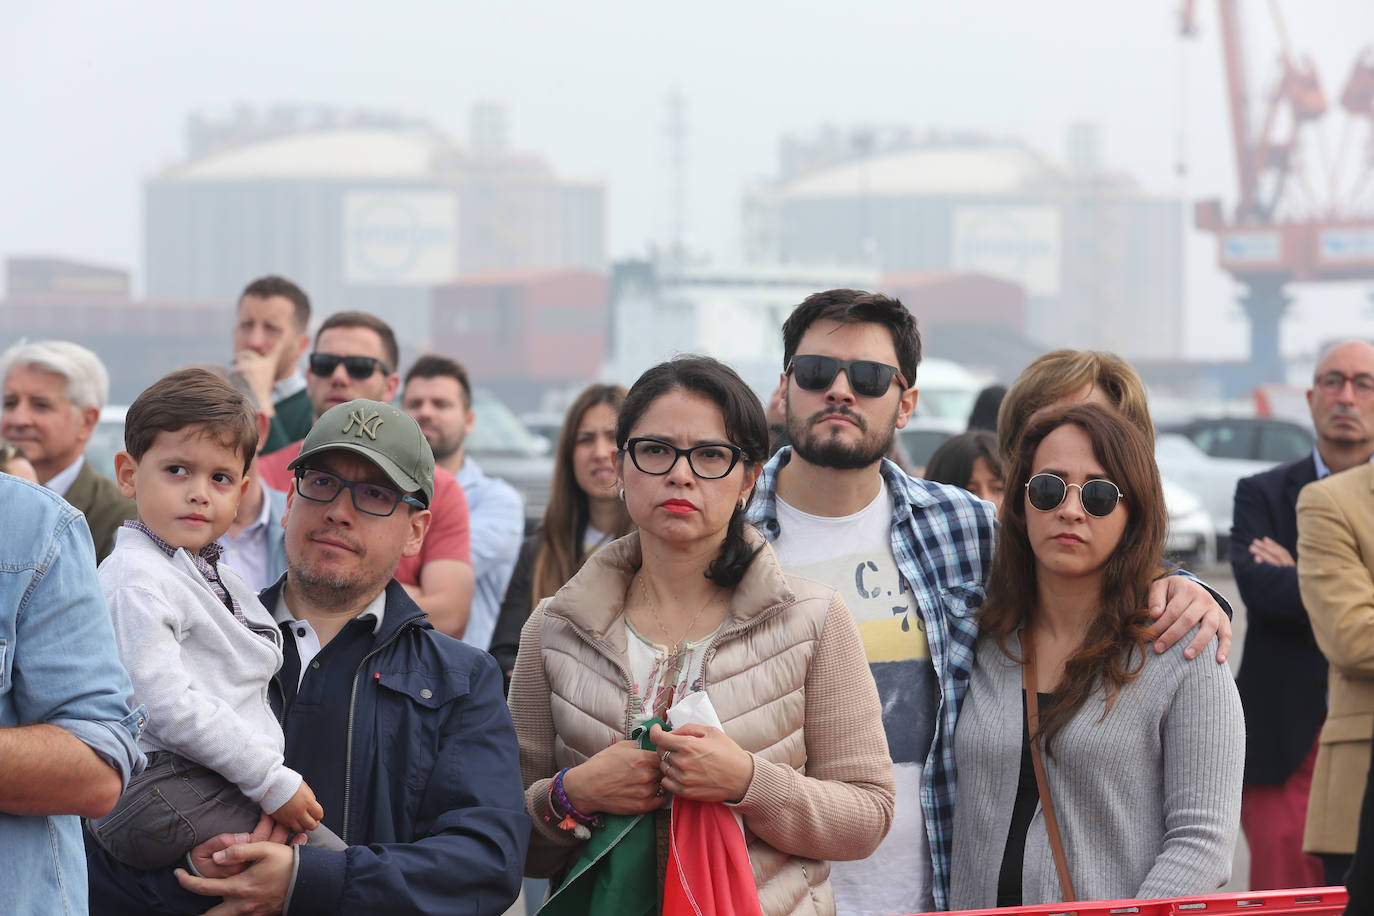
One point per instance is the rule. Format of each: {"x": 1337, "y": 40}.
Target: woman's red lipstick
{"x": 679, "y": 506}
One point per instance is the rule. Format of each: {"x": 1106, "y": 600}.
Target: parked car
{"x": 506, "y": 449}
{"x": 1211, "y": 479}
{"x": 923, "y": 435}
{"x": 1191, "y": 540}
{"x": 1247, "y": 438}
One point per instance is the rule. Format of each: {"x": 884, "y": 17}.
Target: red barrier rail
{"x": 1311, "y": 901}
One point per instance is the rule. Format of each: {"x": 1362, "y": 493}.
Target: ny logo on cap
{"x": 367, "y": 424}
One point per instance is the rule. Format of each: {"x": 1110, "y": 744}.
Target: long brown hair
{"x": 568, "y": 512}
{"x": 1121, "y": 623}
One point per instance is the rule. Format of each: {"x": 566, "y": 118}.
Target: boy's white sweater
{"x": 202, "y": 674}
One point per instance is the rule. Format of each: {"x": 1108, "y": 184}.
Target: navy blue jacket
{"x": 435, "y": 810}
{"x": 1282, "y": 679}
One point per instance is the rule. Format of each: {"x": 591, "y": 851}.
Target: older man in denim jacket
{"x": 68, "y": 742}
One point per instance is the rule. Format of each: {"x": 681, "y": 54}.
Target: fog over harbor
{"x": 98, "y": 99}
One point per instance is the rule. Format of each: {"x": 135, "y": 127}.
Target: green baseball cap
{"x": 381, "y": 433}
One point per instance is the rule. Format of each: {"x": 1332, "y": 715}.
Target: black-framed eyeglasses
{"x": 1333, "y": 382}
{"x": 867, "y": 378}
{"x": 373, "y": 499}
{"x": 358, "y": 367}
{"x": 709, "y": 462}
{"x": 1099, "y": 497}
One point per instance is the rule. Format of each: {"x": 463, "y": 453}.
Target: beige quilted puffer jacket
{"x": 786, "y": 674}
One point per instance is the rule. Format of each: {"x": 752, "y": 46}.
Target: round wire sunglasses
{"x": 1099, "y": 497}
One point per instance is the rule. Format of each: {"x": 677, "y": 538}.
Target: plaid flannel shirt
{"x": 942, "y": 539}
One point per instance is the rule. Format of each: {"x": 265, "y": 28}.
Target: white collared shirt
{"x": 288, "y": 386}
{"x": 62, "y": 481}
{"x": 1322, "y": 470}
{"x": 247, "y": 552}
{"x": 307, "y": 640}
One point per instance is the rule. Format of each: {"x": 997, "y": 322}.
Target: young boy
{"x": 198, "y": 645}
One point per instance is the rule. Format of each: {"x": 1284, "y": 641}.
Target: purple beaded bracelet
{"x": 565, "y": 807}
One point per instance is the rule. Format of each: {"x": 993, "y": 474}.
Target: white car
{"x": 1212, "y": 480}
{"x": 1191, "y": 541}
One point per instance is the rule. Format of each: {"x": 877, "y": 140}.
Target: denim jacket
{"x": 58, "y": 666}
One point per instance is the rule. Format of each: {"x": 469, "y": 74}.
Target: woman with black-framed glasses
{"x": 693, "y": 603}
{"x": 1090, "y": 767}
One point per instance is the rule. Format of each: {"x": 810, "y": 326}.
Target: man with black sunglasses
{"x": 910, "y": 558}
{"x": 403, "y": 732}
{"x": 355, "y": 356}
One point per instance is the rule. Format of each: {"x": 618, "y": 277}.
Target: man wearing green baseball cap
{"x": 402, "y": 731}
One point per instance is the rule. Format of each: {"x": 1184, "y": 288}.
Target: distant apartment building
{"x": 366, "y": 211}
{"x": 1099, "y": 259}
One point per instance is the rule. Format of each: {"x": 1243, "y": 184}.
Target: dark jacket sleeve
{"x": 515, "y": 608}
{"x": 473, "y": 852}
{"x": 1268, "y": 591}
{"x": 1217, "y": 596}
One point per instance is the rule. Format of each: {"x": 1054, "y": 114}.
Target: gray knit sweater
{"x": 1148, "y": 798}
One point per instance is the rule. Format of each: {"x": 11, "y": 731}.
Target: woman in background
{"x": 970, "y": 461}
{"x": 13, "y": 461}
{"x": 584, "y": 513}
{"x": 1142, "y": 753}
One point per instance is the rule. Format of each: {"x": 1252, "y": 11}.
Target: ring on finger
{"x": 666, "y": 755}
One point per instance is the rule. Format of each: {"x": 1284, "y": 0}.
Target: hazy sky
{"x": 96, "y": 97}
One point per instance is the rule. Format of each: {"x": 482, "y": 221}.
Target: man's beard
{"x": 327, "y": 587}
{"x": 443, "y": 447}
{"x": 827, "y": 450}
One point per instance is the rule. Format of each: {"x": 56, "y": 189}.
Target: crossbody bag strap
{"x": 1061, "y": 861}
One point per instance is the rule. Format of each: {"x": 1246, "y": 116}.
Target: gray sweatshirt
{"x": 1148, "y": 799}
{"x": 201, "y": 673}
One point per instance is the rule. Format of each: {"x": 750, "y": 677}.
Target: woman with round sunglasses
{"x": 584, "y": 514}
{"x": 694, "y": 601}
{"x": 1140, "y": 754}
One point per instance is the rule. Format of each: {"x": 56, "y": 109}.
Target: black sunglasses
{"x": 1099, "y": 497}
{"x": 709, "y": 462}
{"x": 358, "y": 367}
{"x": 867, "y": 378}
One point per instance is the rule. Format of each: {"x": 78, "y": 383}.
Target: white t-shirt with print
{"x": 853, "y": 554}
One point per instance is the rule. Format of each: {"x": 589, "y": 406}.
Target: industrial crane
{"x": 1299, "y": 218}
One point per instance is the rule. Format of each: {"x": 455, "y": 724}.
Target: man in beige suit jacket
{"x": 1336, "y": 577}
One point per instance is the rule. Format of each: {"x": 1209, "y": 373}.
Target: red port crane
{"x": 1303, "y": 215}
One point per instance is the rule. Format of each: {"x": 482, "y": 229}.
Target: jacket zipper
{"x": 352, "y": 701}
{"x": 732, "y": 632}
{"x": 600, "y": 647}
